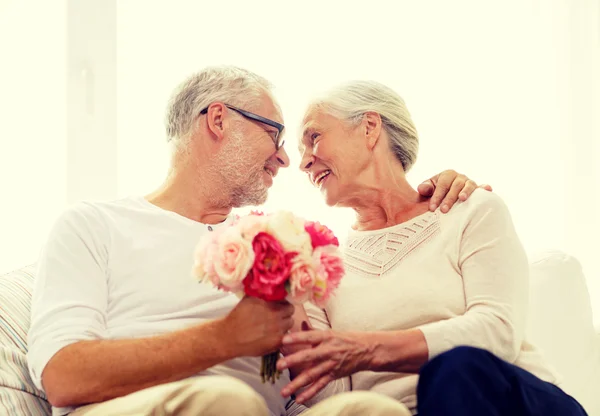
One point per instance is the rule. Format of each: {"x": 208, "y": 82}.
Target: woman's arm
{"x": 494, "y": 270}
{"x": 495, "y": 274}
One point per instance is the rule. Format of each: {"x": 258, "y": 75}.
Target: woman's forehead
{"x": 311, "y": 122}
{"x": 310, "y": 114}
{"x": 315, "y": 121}
{"x": 315, "y": 118}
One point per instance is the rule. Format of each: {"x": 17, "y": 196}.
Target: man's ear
{"x": 372, "y": 125}
{"x": 215, "y": 120}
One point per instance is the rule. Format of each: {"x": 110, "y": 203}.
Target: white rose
{"x": 251, "y": 225}
{"x": 289, "y": 231}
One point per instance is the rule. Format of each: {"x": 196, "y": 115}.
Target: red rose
{"x": 270, "y": 271}
{"x": 320, "y": 235}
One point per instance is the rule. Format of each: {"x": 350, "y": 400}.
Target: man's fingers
{"x": 289, "y": 311}
{"x": 426, "y": 188}
{"x": 445, "y": 180}
{"x": 466, "y": 192}
{"x": 470, "y": 187}
{"x": 448, "y": 187}
{"x": 287, "y": 324}
{"x": 452, "y": 195}
{"x": 285, "y": 308}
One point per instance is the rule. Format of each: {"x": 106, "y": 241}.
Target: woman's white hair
{"x": 227, "y": 84}
{"x": 350, "y": 101}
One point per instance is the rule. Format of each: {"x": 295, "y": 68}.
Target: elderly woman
{"x": 432, "y": 309}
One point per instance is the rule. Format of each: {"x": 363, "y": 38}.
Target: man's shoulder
{"x": 95, "y": 208}
{"x": 120, "y": 203}
{"x": 85, "y": 214}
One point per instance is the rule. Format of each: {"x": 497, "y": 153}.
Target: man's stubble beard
{"x": 240, "y": 175}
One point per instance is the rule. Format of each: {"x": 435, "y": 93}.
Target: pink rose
{"x": 234, "y": 259}
{"x": 204, "y": 259}
{"x": 302, "y": 279}
{"x": 320, "y": 235}
{"x": 270, "y": 271}
{"x": 330, "y": 270}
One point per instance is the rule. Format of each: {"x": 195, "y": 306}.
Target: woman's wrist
{"x": 397, "y": 351}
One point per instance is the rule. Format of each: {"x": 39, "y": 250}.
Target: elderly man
{"x": 119, "y": 327}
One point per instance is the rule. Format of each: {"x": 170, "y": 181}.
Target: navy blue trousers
{"x": 467, "y": 381}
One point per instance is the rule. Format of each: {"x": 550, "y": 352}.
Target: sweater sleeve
{"x": 318, "y": 320}
{"x": 495, "y": 274}
{"x": 70, "y": 293}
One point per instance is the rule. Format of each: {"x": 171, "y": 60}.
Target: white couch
{"x": 560, "y": 324}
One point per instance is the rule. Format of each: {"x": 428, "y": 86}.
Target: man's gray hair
{"x": 228, "y": 84}
{"x": 350, "y": 101}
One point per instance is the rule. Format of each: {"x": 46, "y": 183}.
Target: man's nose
{"x": 282, "y": 157}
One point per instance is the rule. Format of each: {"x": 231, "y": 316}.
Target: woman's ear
{"x": 372, "y": 121}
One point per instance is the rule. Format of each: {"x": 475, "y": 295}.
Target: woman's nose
{"x": 306, "y": 162}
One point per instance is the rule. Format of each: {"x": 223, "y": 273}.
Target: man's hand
{"x": 256, "y": 327}
{"x": 448, "y": 186}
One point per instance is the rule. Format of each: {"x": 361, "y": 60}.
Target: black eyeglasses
{"x": 278, "y": 139}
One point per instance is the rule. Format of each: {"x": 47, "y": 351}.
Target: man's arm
{"x": 70, "y": 354}
{"x": 94, "y": 371}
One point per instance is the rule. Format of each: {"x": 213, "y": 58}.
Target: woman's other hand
{"x": 333, "y": 355}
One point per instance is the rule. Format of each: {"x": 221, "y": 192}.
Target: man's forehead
{"x": 270, "y": 109}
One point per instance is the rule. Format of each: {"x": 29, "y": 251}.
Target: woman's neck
{"x": 379, "y": 208}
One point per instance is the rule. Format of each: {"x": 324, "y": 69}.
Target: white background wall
{"x": 507, "y": 93}
{"x": 33, "y": 148}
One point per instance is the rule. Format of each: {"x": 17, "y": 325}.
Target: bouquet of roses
{"x": 273, "y": 257}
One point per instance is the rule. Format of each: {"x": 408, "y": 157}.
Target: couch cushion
{"x": 17, "y": 402}
{"x": 561, "y": 324}
{"x": 18, "y": 394}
